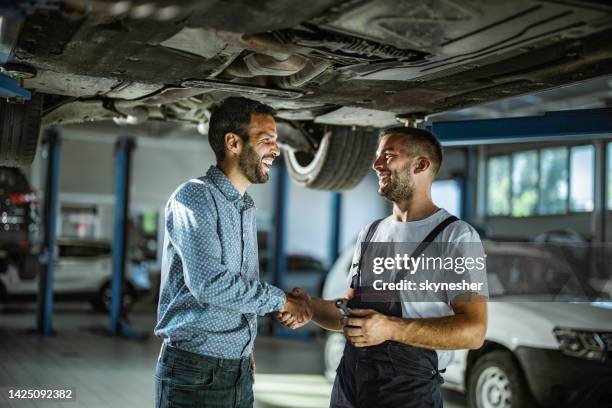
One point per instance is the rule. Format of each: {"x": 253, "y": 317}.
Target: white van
{"x": 545, "y": 353}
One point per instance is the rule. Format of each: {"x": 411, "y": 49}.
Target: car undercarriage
{"x": 322, "y": 64}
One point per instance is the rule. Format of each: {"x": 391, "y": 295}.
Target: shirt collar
{"x": 226, "y": 187}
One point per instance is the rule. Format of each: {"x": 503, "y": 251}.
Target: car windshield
{"x": 76, "y": 250}
{"x": 539, "y": 277}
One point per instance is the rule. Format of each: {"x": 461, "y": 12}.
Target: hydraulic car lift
{"x": 44, "y": 311}
{"x": 119, "y": 325}
{"x": 587, "y": 123}
{"x": 124, "y": 147}
{"x": 336, "y": 216}
{"x": 10, "y": 89}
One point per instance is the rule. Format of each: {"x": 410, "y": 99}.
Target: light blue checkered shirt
{"x": 210, "y": 289}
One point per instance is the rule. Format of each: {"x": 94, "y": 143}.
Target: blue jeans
{"x": 185, "y": 379}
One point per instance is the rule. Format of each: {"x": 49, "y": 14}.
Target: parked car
{"x": 536, "y": 351}
{"x": 18, "y": 221}
{"x": 325, "y": 65}
{"x": 82, "y": 271}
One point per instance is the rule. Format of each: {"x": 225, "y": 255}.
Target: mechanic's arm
{"x": 464, "y": 330}
{"x": 191, "y": 224}
{"x": 326, "y": 314}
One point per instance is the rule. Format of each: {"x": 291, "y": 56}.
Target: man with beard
{"x": 210, "y": 293}
{"x": 396, "y": 348}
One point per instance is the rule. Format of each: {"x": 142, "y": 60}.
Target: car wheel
{"x": 102, "y": 303}
{"x": 19, "y": 131}
{"x": 2, "y": 293}
{"x": 497, "y": 381}
{"x": 332, "y": 354}
{"x": 340, "y": 162}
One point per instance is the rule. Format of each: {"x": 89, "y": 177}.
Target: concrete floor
{"x": 106, "y": 371}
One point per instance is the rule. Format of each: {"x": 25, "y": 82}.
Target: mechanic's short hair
{"x": 233, "y": 115}
{"x": 422, "y": 142}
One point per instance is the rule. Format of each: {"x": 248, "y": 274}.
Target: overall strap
{"x": 432, "y": 235}
{"x": 418, "y": 251}
{"x": 364, "y": 245}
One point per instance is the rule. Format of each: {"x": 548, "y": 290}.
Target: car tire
{"x": 102, "y": 301}
{"x": 332, "y": 353}
{"x": 2, "y": 293}
{"x": 19, "y": 131}
{"x": 340, "y": 162}
{"x": 496, "y": 380}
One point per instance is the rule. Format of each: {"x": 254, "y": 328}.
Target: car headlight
{"x": 581, "y": 343}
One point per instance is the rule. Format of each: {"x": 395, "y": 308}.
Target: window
{"x": 447, "y": 194}
{"x": 524, "y": 183}
{"x": 582, "y": 178}
{"x": 549, "y": 181}
{"x": 553, "y": 181}
{"x": 498, "y": 186}
{"x": 79, "y": 222}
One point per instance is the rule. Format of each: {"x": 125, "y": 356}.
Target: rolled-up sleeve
{"x": 191, "y": 225}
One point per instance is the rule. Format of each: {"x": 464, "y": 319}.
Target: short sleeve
{"x": 468, "y": 251}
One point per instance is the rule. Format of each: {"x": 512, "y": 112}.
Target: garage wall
{"x": 453, "y": 164}
{"x": 528, "y": 227}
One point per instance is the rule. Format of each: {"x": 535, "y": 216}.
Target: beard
{"x": 251, "y": 165}
{"x": 400, "y": 186}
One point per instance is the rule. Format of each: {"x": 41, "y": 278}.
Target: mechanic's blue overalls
{"x": 391, "y": 374}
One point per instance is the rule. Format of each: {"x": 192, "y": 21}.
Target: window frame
{"x": 486, "y": 195}
{"x": 607, "y": 174}
{"x": 569, "y": 174}
{"x": 539, "y": 149}
{"x": 537, "y": 182}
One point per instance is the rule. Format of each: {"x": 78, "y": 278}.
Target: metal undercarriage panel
{"x": 409, "y": 57}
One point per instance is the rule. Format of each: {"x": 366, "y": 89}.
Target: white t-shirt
{"x": 390, "y": 230}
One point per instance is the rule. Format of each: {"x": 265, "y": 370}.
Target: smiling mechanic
{"x": 210, "y": 293}
{"x": 397, "y": 349}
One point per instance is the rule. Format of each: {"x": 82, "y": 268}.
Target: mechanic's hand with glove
{"x": 367, "y": 327}
{"x": 297, "y": 310}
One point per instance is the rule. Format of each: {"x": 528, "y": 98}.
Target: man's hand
{"x": 367, "y": 327}
{"x": 297, "y": 310}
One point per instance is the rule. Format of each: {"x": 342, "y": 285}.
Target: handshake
{"x": 297, "y": 310}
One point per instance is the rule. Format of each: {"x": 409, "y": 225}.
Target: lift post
{"x": 44, "y": 311}
{"x": 277, "y": 265}
{"x": 336, "y": 215}
{"x": 123, "y": 166}
{"x": 468, "y": 185}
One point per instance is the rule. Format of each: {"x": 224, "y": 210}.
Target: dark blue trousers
{"x": 185, "y": 379}
{"x": 390, "y": 375}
